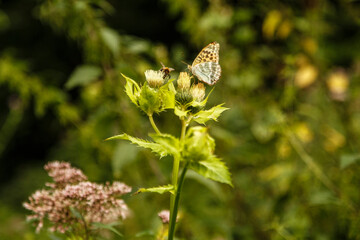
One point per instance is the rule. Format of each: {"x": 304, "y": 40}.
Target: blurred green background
{"x": 290, "y": 76}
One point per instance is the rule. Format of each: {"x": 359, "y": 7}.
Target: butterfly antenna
{"x": 185, "y": 63}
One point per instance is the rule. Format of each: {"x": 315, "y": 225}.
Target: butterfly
{"x": 206, "y": 65}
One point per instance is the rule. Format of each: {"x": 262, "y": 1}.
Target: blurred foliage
{"x": 290, "y": 75}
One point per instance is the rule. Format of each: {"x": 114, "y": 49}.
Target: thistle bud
{"x": 183, "y": 82}
{"x": 198, "y": 92}
{"x": 154, "y": 78}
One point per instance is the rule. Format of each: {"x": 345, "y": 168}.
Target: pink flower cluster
{"x": 164, "y": 215}
{"x": 95, "y": 202}
{"x": 62, "y": 173}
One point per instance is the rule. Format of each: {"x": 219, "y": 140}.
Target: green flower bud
{"x": 183, "y": 82}
{"x": 154, "y": 78}
{"x": 198, "y": 92}
{"x": 150, "y": 100}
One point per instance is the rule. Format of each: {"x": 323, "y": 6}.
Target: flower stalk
{"x": 153, "y": 124}
{"x": 173, "y": 213}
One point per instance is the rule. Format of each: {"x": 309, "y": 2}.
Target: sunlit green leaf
{"x": 168, "y": 95}
{"x": 169, "y": 142}
{"x": 213, "y": 168}
{"x": 212, "y": 114}
{"x": 83, "y": 75}
{"x": 150, "y": 100}
{"x": 155, "y": 147}
{"x": 161, "y": 189}
{"x": 180, "y": 113}
{"x": 132, "y": 89}
{"x": 199, "y": 145}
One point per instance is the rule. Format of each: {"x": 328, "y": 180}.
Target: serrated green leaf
{"x": 168, "y": 98}
{"x": 180, "y": 113}
{"x": 150, "y": 100}
{"x": 199, "y": 145}
{"x": 348, "y": 159}
{"x": 161, "y": 189}
{"x": 171, "y": 87}
{"x": 212, "y": 114}
{"x": 169, "y": 142}
{"x": 155, "y": 147}
{"x": 132, "y": 89}
{"x": 108, "y": 227}
{"x": 213, "y": 168}
{"x": 83, "y": 75}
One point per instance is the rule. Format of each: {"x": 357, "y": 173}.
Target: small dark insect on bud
{"x": 166, "y": 71}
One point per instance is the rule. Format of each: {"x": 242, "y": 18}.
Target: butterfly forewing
{"x": 210, "y": 53}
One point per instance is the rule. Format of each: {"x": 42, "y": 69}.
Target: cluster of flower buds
{"x": 158, "y": 93}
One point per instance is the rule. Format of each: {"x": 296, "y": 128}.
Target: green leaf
{"x": 108, "y": 227}
{"x": 132, "y": 89}
{"x": 348, "y": 159}
{"x": 168, "y": 95}
{"x": 155, "y": 147}
{"x": 161, "y": 189}
{"x": 150, "y": 100}
{"x": 168, "y": 142}
{"x": 212, "y": 114}
{"x": 111, "y": 39}
{"x": 83, "y": 75}
{"x": 199, "y": 145}
{"x": 180, "y": 113}
{"x": 213, "y": 168}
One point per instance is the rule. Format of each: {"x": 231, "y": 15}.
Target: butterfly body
{"x": 206, "y": 65}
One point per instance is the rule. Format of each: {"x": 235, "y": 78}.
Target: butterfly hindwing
{"x": 208, "y": 72}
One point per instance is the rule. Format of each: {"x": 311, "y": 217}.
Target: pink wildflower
{"x": 95, "y": 202}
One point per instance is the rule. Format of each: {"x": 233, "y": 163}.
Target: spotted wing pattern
{"x": 206, "y": 65}
{"x": 210, "y": 53}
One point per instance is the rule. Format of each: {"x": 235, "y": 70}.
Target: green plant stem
{"x": 176, "y": 204}
{"x": 153, "y": 124}
{"x": 175, "y": 174}
{"x": 174, "y": 199}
